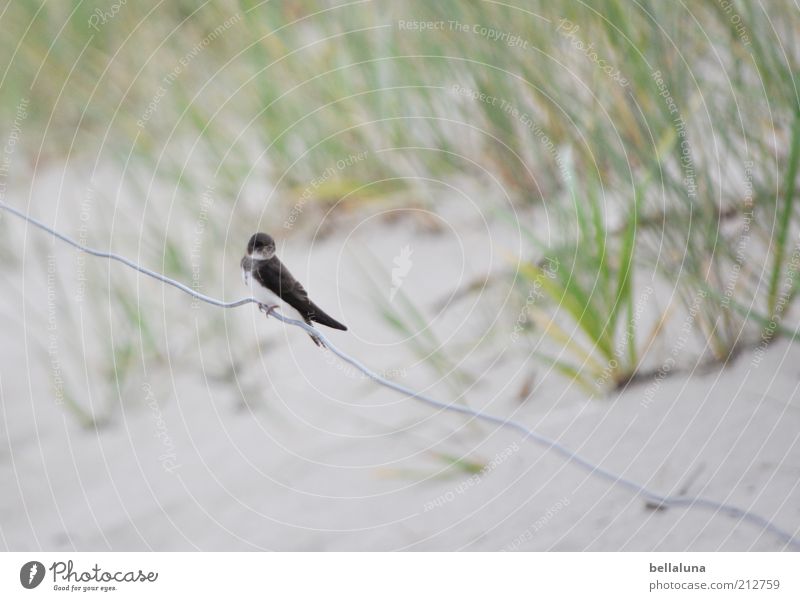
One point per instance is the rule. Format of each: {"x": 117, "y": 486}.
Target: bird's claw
{"x": 267, "y": 309}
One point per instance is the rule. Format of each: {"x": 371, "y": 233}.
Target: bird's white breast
{"x": 261, "y": 293}
{"x": 267, "y": 297}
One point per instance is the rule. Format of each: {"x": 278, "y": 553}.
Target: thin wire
{"x": 660, "y": 501}
{"x": 125, "y": 261}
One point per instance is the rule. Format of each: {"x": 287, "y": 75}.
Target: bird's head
{"x": 261, "y": 246}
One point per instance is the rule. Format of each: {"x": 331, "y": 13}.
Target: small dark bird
{"x": 274, "y": 287}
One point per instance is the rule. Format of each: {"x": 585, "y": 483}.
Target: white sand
{"x": 300, "y": 453}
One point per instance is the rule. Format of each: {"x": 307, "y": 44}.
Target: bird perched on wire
{"x": 274, "y": 287}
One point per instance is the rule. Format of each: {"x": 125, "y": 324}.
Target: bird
{"x": 274, "y": 287}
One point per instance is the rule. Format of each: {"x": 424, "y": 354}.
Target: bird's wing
{"x": 274, "y": 275}
{"x": 277, "y": 278}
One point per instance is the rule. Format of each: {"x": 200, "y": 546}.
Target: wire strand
{"x": 659, "y": 500}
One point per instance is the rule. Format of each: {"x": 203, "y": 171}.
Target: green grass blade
{"x": 786, "y": 216}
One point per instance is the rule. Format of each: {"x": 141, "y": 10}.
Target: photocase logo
{"x": 31, "y": 574}
{"x": 402, "y": 265}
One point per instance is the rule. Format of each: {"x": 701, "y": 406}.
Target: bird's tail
{"x": 318, "y": 315}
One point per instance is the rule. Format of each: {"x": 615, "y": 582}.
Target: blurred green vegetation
{"x": 663, "y": 138}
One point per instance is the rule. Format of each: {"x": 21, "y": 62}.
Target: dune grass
{"x": 633, "y": 122}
